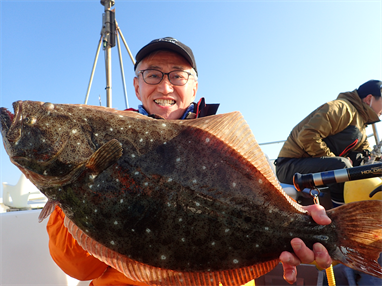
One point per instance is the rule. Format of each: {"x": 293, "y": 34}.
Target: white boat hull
{"x": 24, "y": 252}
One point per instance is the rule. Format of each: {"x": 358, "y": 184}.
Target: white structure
{"x": 23, "y": 195}
{"x": 24, "y": 252}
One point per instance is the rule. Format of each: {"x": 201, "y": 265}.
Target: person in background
{"x": 166, "y": 83}
{"x": 332, "y": 137}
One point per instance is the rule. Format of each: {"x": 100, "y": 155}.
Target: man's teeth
{"x": 164, "y": 102}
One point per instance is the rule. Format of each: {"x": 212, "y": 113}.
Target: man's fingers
{"x": 302, "y": 252}
{"x": 290, "y": 273}
{"x": 318, "y": 214}
{"x": 321, "y": 255}
{"x": 304, "y": 255}
{"x": 289, "y": 262}
{"x": 289, "y": 258}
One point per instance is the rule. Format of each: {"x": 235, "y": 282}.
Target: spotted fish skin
{"x": 178, "y": 195}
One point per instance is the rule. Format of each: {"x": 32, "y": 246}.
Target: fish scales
{"x": 193, "y": 196}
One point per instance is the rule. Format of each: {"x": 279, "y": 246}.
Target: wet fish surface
{"x": 175, "y": 202}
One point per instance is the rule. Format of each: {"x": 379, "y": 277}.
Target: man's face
{"x": 165, "y": 99}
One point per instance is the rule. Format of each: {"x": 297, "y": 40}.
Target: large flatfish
{"x": 175, "y": 202}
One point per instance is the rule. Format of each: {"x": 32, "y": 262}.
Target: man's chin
{"x": 171, "y": 115}
{"x": 163, "y": 111}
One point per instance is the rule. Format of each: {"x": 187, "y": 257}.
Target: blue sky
{"x": 275, "y": 61}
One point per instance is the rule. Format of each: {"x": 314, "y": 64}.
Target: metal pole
{"x": 122, "y": 72}
{"x": 92, "y": 73}
{"x": 124, "y": 42}
{"x": 106, "y": 45}
{"x": 375, "y": 131}
{"x": 108, "y": 75}
{"x": 274, "y": 142}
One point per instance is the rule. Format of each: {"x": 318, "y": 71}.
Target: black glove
{"x": 359, "y": 158}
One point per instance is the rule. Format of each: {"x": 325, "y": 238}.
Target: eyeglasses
{"x": 151, "y": 76}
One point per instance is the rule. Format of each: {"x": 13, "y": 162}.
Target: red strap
{"x": 348, "y": 148}
{"x": 131, "y": 109}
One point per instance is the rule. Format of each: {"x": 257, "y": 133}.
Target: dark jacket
{"x": 333, "y": 129}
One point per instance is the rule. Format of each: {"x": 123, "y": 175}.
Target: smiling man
{"x": 166, "y": 83}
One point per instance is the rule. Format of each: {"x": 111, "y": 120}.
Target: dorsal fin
{"x": 233, "y": 130}
{"x": 157, "y": 276}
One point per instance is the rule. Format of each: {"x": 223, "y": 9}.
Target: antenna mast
{"x": 109, "y": 33}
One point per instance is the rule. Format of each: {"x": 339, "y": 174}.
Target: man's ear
{"x": 367, "y": 99}
{"x": 136, "y": 88}
{"x": 195, "y": 89}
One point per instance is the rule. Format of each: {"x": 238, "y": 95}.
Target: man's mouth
{"x": 164, "y": 102}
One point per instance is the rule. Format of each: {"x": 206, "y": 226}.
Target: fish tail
{"x": 359, "y": 229}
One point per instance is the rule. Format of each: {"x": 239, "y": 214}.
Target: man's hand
{"x": 303, "y": 254}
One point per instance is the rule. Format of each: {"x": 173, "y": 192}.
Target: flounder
{"x": 175, "y": 202}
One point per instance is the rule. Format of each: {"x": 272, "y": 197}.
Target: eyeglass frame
{"x": 163, "y": 74}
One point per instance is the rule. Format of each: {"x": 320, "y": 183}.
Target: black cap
{"x": 166, "y": 43}
{"x": 372, "y": 87}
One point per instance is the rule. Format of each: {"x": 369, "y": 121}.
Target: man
{"x": 332, "y": 137}
{"x": 166, "y": 84}
{"x": 172, "y": 98}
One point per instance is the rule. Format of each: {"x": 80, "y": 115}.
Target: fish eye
{"x": 29, "y": 120}
{"x": 48, "y": 106}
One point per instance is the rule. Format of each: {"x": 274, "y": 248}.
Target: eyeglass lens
{"x": 156, "y": 76}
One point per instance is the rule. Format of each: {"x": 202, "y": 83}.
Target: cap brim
{"x": 152, "y": 47}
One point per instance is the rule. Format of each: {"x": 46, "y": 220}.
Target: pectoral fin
{"x": 104, "y": 157}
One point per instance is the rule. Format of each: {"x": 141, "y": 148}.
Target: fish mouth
{"x": 165, "y": 102}
{"x": 9, "y": 121}
{"x": 6, "y": 118}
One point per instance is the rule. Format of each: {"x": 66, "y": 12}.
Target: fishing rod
{"x": 312, "y": 180}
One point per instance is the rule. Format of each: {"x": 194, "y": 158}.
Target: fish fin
{"x": 47, "y": 210}
{"x": 105, "y": 156}
{"x": 157, "y": 276}
{"x": 359, "y": 226}
{"x": 233, "y": 130}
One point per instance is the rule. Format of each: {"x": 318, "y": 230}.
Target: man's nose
{"x": 165, "y": 86}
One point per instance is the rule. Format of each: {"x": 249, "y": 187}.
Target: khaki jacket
{"x": 333, "y": 129}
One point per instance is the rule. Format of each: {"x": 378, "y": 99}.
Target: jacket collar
{"x": 366, "y": 112}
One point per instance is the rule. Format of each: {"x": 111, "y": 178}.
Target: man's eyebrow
{"x": 154, "y": 67}
{"x": 160, "y": 68}
{"x": 178, "y": 67}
